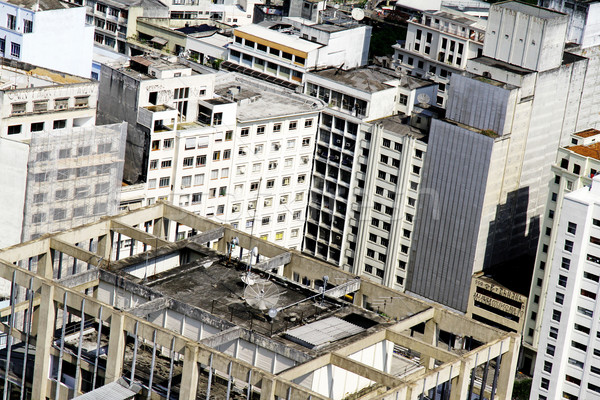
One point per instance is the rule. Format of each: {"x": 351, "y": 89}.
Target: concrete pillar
{"x": 116, "y": 348}
{"x": 267, "y": 389}
{"x": 189, "y": 375}
{"x": 45, "y": 264}
{"x": 45, "y": 331}
{"x": 105, "y": 246}
{"x": 460, "y": 384}
{"x": 508, "y": 367}
{"x": 430, "y": 337}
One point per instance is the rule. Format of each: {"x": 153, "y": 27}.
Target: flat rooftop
{"x": 590, "y": 150}
{"x": 532, "y": 10}
{"x": 257, "y": 99}
{"x": 283, "y": 34}
{"x": 399, "y": 124}
{"x": 23, "y": 76}
{"x": 41, "y": 5}
{"x": 492, "y": 62}
{"x": 366, "y": 79}
{"x": 588, "y": 133}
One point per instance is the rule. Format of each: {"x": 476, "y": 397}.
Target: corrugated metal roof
{"x": 324, "y": 331}
{"x": 111, "y": 391}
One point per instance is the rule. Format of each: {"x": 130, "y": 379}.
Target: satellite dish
{"x": 423, "y": 98}
{"x": 358, "y": 14}
{"x": 262, "y": 295}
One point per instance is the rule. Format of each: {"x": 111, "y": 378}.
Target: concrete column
{"x": 116, "y": 348}
{"x": 430, "y": 337}
{"x": 267, "y": 389}
{"x": 45, "y": 264}
{"x": 105, "y": 246}
{"x": 508, "y": 367}
{"x": 45, "y": 331}
{"x": 460, "y": 384}
{"x": 189, "y": 375}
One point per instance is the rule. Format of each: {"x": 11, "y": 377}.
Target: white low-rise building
{"x": 52, "y": 34}
{"x": 438, "y": 44}
{"x": 288, "y": 49}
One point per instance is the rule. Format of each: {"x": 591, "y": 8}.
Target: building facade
{"x": 51, "y": 34}
{"x": 438, "y": 44}
{"x": 567, "y": 364}
{"x": 574, "y": 168}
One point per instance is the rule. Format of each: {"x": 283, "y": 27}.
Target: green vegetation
{"x": 521, "y": 389}
{"x": 382, "y": 39}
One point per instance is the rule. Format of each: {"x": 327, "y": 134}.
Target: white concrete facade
{"x": 55, "y": 38}
{"x": 438, "y": 44}
{"x": 568, "y": 364}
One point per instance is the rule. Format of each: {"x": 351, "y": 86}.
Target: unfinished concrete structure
{"x": 170, "y": 316}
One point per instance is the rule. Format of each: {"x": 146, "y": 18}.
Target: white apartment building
{"x": 115, "y": 21}
{"x": 438, "y": 44}
{"x": 288, "y": 49}
{"x": 53, "y": 155}
{"x": 52, "y": 34}
{"x": 568, "y": 363}
{"x": 366, "y": 171}
{"x": 575, "y": 167}
{"x": 244, "y": 159}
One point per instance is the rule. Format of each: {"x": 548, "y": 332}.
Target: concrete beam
{"x": 137, "y": 234}
{"x": 464, "y": 326}
{"x": 222, "y": 337}
{"x": 82, "y": 278}
{"x": 365, "y": 370}
{"x": 76, "y": 252}
{"x": 421, "y": 347}
{"x": 189, "y": 375}
{"x": 413, "y": 320}
{"x": 25, "y": 250}
{"x": 149, "y": 307}
{"x": 208, "y": 236}
{"x": 274, "y": 262}
{"x": 303, "y": 369}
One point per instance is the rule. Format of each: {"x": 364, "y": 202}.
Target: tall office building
{"x": 568, "y": 365}
{"x": 488, "y": 162}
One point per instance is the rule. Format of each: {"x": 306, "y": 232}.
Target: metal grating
{"x": 321, "y": 332}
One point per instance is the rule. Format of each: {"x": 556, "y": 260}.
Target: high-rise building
{"x": 575, "y": 166}
{"x": 488, "y": 162}
{"x": 567, "y": 364}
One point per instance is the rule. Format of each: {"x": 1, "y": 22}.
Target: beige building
{"x": 174, "y": 318}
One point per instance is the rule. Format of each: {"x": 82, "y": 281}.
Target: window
{"x": 545, "y": 383}
{"x": 582, "y": 328}
{"x": 15, "y": 50}
{"x": 591, "y": 276}
{"x": 384, "y": 159}
{"x": 281, "y": 218}
{"x": 223, "y": 191}
{"x": 199, "y": 179}
{"x": 200, "y": 161}
{"x": 152, "y": 184}
{"x": 587, "y": 293}
{"x": 270, "y": 183}
{"x": 585, "y": 311}
{"x": 560, "y": 298}
{"x": 275, "y": 146}
{"x": 228, "y": 135}
{"x": 164, "y": 181}
{"x": 301, "y": 179}
{"x": 578, "y": 345}
{"x": 569, "y": 246}
{"x": 253, "y": 186}
{"x": 187, "y": 162}
{"x": 279, "y": 236}
{"x": 214, "y": 174}
{"x": 196, "y": 198}
{"x": 293, "y": 125}
{"x": 556, "y": 315}
{"x": 285, "y": 181}
{"x": 11, "y": 22}
{"x": 14, "y": 129}
{"x": 308, "y": 123}
{"x": 166, "y": 163}
{"x": 572, "y": 228}
{"x": 272, "y": 165}
{"x": 553, "y": 333}
{"x": 155, "y": 145}
{"x": 167, "y": 144}
{"x": 216, "y": 155}
{"x": 562, "y": 280}
{"x": 593, "y": 259}
{"x": 59, "y": 124}
{"x": 276, "y": 128}
{"x": 305, "y": 142}
{"x": 550, "y": 349}
{"x": 226, "y": 154}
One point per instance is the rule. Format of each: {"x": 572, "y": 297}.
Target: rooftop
{"x": 370, "y": 79}
{"x": 181, "y": 306}
{"x": 399, "y": 124}
{"x": 41, "y": 5}
{"x": 588, "y": 133}
{"x": 539, "y": 12}
{"x": 19, "y": 75}
{"x": 258, "y": 100}
{"x": 278, "y": 34}
{"x": 590, "y": 150}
